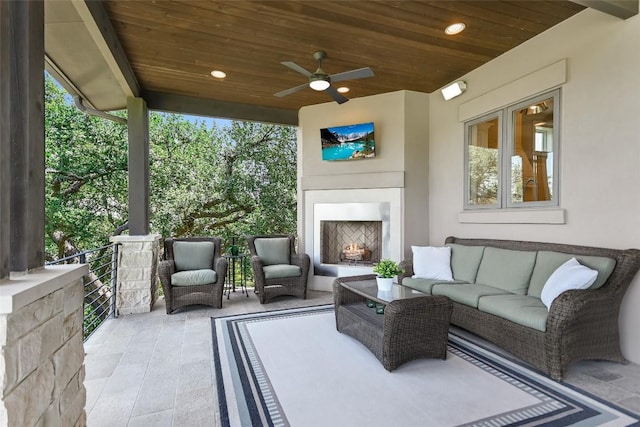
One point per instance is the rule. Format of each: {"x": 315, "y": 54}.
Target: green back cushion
{"x": 193, "y": 255}
{"x": 273, "y": 250}
{"x": 465, "y": 261}
{"x": 506, "y": 269}
{"x": 548, "y": 261}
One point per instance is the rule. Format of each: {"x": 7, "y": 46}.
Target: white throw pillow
{"x": 432, "y": 262}
{"x": 570, "y": 275}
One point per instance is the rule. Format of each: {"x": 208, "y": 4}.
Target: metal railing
{"x": 99, "y": 284}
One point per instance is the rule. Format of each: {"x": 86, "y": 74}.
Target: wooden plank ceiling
{"x": 174, "y": 45}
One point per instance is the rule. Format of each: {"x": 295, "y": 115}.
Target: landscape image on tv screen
{"x": 348, "y": 142}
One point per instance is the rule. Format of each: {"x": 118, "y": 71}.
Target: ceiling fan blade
{"x": 296, "y": 67}
{"x": 335, "y": 95}
{"x": 360, "y": 73}
{"x": 291, "y": 90}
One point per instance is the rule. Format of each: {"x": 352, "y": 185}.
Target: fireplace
{"x": 349, "y": 236}
{"x": 350, "y": 242}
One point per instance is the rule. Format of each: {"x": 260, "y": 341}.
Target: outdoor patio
{"x": 156, "y": 369}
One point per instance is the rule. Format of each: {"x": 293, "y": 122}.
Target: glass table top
{"x": 369, "y": 289}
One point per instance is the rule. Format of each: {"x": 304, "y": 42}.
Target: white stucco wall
{"x": 600, "y": 144}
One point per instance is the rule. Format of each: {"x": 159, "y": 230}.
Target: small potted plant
{"x": 386, "y": 269}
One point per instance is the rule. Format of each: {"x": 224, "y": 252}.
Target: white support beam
{"x": 623, "y": 9}
{"x": 184, "y": 104}
{"x": 99, "y": 26}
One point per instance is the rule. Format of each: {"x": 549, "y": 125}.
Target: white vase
{"x": 384, "y": 284}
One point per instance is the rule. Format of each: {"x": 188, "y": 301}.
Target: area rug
{"x": 293, "y": 368}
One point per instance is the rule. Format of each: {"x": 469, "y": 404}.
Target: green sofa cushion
{"x": 280, "y": 271}
{"x": 273, "y": 250}
{"x": 506, "y": 269}
{"x": 465, "y": 261}
{"x": 547, "y": 262}
{"x": 193, "y": 255}
{"x": 467, "y": 294}
{"x": 425, "y": 285}
{"x": 194, "y": 278}
{"x": 521, "y": 309}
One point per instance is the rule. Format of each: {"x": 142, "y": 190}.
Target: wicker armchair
{"x": 192, "y": 272}
{"x": 277, "y": 269}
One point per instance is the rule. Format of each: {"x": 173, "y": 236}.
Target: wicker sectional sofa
{"x": 496, "y": 295}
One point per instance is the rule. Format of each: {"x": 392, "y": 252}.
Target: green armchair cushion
{"x": 280, "y": 271}
{"x": 506, "y": 269}
{"x": 273, "y": 250}
{"x": 193, "y": 255}
{"x": 194, "y": 278}
{"x": 548, "y": 261}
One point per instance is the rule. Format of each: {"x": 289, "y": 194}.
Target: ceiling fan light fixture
{"x": 454, "y": 90}
{"x": 454, "y": 29}
{"x": 319, "y": 84}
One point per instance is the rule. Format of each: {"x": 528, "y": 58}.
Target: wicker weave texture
{"x": 271, "y": 288}
{"x": 181, "y": 296}
{"x": 582, "y": 324}
{"x": 410, "y": 328}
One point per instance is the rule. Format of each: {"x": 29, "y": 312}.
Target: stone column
{"x": 137, "y": 287}
{"x": 41, "y": 351}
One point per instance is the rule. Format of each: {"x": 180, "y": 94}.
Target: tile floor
{"x": 156, "y": 370}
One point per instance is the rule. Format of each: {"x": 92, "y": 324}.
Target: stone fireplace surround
{"x": 378, "y": 204}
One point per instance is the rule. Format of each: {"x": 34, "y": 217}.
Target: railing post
{"x": 114, "y": 280}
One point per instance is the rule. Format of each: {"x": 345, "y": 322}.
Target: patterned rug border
{"x": 562, "y": 410}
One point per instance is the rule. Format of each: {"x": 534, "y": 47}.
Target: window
{"x": 511, "y": 156}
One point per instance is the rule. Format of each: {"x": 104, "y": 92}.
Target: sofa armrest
{"x": 583, "y": 324}
{"x": 407, "y": 267}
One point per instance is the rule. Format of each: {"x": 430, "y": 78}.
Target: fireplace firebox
{"x": 350, "y": 242}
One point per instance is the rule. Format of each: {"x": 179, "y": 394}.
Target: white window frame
{"x": 506, "y": 121}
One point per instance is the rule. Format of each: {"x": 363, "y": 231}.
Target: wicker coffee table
{"x": 413, "y": 326}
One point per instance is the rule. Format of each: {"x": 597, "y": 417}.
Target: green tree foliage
{"x": 223, "y": 181}
{"x": 483, "y": 175}
{"x": 86, "y": 176}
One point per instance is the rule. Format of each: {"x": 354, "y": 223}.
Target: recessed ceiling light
{"x": 218, "y": 74}
{"x": 456, "y": 28}
{"x": 343, "y": 89}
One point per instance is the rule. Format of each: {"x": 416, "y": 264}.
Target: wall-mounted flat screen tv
{"x": 348, "y": 142}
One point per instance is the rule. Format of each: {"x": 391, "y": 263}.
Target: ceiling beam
{"x": 622, "y": 9}
{"x": 185, "y": 104}
{"x": 99, "y": 25}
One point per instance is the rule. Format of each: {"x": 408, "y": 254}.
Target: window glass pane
{"x": 532, "y": 153}
{"x": 483, "y": 167}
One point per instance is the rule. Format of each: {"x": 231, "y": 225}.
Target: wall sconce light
{"x": 454, "y": 90}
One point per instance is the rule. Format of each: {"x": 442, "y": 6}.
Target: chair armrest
{"x": 303, "y": 261}
{"x": 257, "y": 265}
{"x": 221, "y": 270}
{"x": 165, "y": 270}
{"x": 407, "y": 267}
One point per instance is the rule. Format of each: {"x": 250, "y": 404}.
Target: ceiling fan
{"x": 321, "y": 81}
